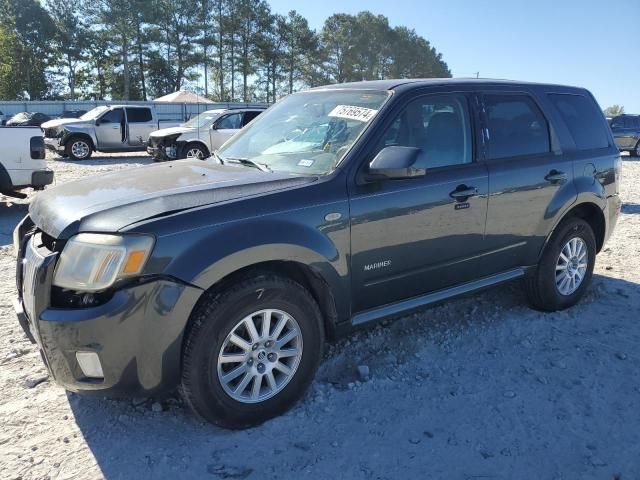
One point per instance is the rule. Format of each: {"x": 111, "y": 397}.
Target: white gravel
{"x": 481, "y": 387}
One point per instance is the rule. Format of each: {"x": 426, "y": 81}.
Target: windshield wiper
{"x": 246, "y": 161}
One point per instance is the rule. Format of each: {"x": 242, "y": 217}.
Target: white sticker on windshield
{"x": 362, "y": 114}
{"x": 305, "y": 163}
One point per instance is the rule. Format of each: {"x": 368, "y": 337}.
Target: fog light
{"x": 90, "y": 364}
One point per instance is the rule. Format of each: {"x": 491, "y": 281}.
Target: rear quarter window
{"x": 583, "y": 119}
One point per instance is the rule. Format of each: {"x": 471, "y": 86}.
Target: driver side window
{"x": 114, "y": 116}
{"x": 230, "y": 122}
{"x": 439, "y": 126}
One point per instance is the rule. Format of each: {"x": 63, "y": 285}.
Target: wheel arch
{"x": 185, "y": 144}
{"x": 591, "y": 213}
{"x": 84, "y": 136}
{"x": 305, "y": 275}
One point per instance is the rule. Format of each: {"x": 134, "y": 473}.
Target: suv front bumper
{"x": 54, "y": 144}
{"x": 136, "y": 334}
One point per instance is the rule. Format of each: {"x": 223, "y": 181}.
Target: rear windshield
{"x": 584, "y": 120}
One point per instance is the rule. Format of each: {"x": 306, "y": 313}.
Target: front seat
{"x": 444, "y": 142}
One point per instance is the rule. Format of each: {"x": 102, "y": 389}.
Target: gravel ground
{"x": 481, "y": 387}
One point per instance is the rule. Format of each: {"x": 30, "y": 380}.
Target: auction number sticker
{"x": 351, "y": 112}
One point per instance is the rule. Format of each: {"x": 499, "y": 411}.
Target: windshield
{"x": 203, "y": 120}
{"x": 306, "y": 133}
{"x": 94, "y": 113}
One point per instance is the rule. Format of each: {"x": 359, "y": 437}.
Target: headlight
{"x": 93, "y": 261}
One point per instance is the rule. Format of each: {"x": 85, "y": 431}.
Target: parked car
{"x": 201, "y": 135}
{"x": 22, "y": 163}
{"x": 336, "y": 208}
{"x": 116, "y": 128}
{"x": 27, "y": 119}
{"x": 72, "y": 113}
{"x": 626, "y": 133}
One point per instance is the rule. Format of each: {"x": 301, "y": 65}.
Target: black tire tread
{"x": 534, "y": 284}
{"x": 204, "y": 313}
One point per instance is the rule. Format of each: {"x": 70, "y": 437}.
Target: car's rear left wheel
{"x": 565, "y": 268}
{"x": 251, "y": 351}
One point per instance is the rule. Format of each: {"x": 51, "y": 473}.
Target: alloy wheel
{"x": 195, "y": 153}
{"x": 571, "y": 266}
{"x": 260, "y": 356}
{"x": 80, "y": 149}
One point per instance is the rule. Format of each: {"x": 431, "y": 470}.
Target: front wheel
{"x": 78, "y": 148}
{"x": 636, "y": 151}
{"x": 565, "y": 269}
{"x": 251, "y": 351}
{"x": 195, "y": 150}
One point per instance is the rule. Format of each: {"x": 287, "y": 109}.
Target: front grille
{"x": 52, "y": 132}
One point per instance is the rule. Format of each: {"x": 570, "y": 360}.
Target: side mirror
{"x": 395, "y": 163}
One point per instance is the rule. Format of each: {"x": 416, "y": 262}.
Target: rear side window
{"x": 584, "y": 120}
{"x": 248, "y": 116}
{"x": 516, "y": 126}
{"x": 139, "y": 115}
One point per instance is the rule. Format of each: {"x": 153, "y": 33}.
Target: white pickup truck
{"x": 22, "y": 163}
{"x": 114, "y": 128}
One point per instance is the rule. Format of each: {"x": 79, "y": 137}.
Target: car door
{"x": 418, "y": 235}
{"x": 529, "y": 178}
{"x": 224, "y": 128}
{"x": 140, "y": 123}
{"x": 110, "y": 130}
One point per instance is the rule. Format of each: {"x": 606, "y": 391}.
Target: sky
{"x": 588, "y": 43}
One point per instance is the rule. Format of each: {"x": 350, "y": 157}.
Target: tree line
{"x": 228, "y": 50}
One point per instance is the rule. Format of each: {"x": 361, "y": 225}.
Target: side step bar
{"x": 393, "y": 309}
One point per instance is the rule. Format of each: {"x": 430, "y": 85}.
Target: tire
{"x": 542, "y": 288}
{"x": 195, "y": 150}
{"x": 78, "y": 148}
{"x": 636, "y": 151}
{"x": 208, "y": 336}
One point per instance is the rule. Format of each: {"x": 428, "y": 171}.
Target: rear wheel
{"x": 78, "y": 148}
{"x": 636, "y": 151}
{"x": 251, "y": 351}
{"x": 566, "y": 267}
{"x": 196, "y": 150}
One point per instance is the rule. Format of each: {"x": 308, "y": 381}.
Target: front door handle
{"x": 556, "y": 176}
{"x": 116, "y": 127}
{"x": 462, "y": 193}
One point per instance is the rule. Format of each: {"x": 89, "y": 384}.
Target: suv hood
{"x": 62, "y": 121}
{"x": 165, "y": 132}
{"x": 110, "y": 202}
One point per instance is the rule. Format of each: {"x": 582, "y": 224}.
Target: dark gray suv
{"x": 626, "y": 133}
{"x": 337, "y": 207}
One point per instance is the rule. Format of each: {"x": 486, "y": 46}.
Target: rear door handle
{"x": 463, "y": 193}
{"x": 555, "y": 176}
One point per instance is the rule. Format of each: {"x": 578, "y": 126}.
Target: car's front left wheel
{"x": 78, "y": 148}
{"x": 251, "y": 351}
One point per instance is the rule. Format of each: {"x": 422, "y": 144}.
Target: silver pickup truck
{"x": 115, "y": 128}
